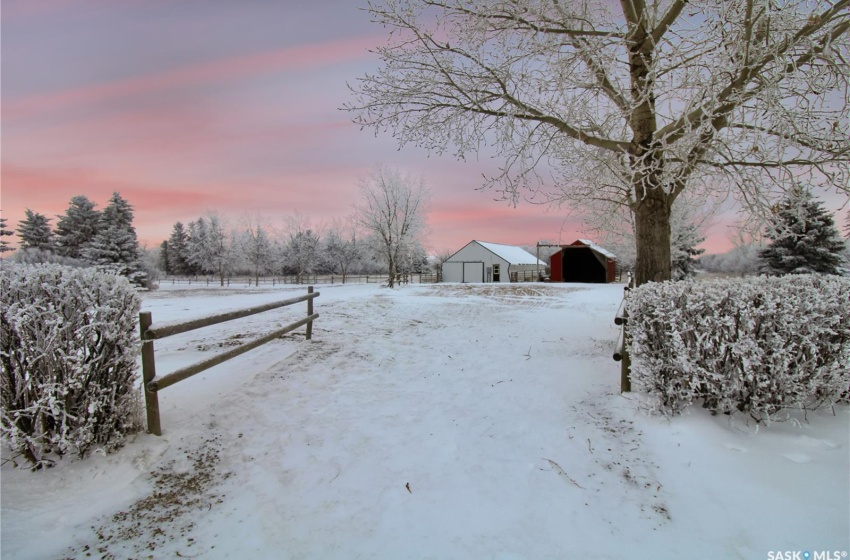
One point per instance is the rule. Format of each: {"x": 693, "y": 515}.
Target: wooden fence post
{"x": 309, "y": 312}
{"x": 626, "y": 363}
{"x": 625, "y": 367}
{"x": 148, "y": 373}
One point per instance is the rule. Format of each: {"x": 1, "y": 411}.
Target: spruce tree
{"x": 196, "y": 247}
{"x": 684, "y": 251}
{"x": 115, "y": 246}
{"x": 211, "y": 246}
{"x": 77, "y": 227}
{"x": 4, "y": 245}
{"x": 178, "y": 251}
{"x": 804, "y": 239}
{"x": 34, "y": 231}
{"x": 164, "y": 249}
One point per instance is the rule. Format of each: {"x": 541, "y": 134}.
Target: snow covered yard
{"x": 447, "y": 421}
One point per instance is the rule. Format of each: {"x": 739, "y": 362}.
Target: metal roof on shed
{"x": 598, "y": 249}
{"x": 511, "y": 253}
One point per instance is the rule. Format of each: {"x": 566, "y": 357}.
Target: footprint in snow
{"x": 734, "y": 447}
{"x": 815, "y": 442}
{"x": 797, "y": 457}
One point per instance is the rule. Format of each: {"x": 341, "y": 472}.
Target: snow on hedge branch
{"x": 757, "y": 346}
{"x": 68, "y": 349}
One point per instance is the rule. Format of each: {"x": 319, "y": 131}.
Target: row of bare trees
{"x": 386, "y": 233}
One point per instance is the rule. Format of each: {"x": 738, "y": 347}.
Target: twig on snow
{"x": 563, "y": 473}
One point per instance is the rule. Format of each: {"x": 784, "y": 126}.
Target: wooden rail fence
{"x": 304, "y": 279}
{"x": 150, "y": 332}
{"x": 621, "y": 351}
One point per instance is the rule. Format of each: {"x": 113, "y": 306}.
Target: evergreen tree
{"x": 34, "y": 231}
{"x": 803, "y": 237}
{"x": 77, "y": 227}
{"x": 162, "y": 261}
{"x": 178, "y": 251}
{"x": 115, "y": 246}
{"x": 196, "y": 243}
{"x": 684, "y": 251}
{"x": 4, "y": 245}
{"x": 847, "y": 226}
{"x": 210, "y": 246}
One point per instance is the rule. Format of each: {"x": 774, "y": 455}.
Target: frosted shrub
{"x": 757, "y": 346}
{"x": 67, "y": 361}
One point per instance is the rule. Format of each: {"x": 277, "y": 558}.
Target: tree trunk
{"x": 651, "y": 206}
{"x": 652, "y": 238}
{"x": 391, "y": 279}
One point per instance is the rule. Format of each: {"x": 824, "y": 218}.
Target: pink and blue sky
{"x": 185, "y": 106}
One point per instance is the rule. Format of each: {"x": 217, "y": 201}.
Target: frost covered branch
{"x": 666, "y": 96}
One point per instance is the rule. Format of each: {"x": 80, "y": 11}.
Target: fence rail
{"x": 304, "y": 279}
{"x": 149, "y": 332}
{"x": 316, "y": 279}
{"x": 526, "y": 276}
{"x": 621, "y": 350}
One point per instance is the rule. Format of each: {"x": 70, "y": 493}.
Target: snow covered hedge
{"x": 68, "y": 349}
{"x": 758, "y": 345}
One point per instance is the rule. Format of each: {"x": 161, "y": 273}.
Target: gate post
{"x": 148, "y": 373}
{"x": 625, "y": 366}
{"x": 309, "y": 312}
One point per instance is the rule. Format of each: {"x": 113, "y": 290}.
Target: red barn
{"x": 583, "y": 261}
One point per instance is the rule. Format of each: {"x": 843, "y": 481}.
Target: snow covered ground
{"x": 447, "y": 421}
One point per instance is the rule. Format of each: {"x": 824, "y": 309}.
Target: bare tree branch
{"x": 663, "y": 98}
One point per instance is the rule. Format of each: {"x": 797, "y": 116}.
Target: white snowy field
{"x": 447, "y": 421}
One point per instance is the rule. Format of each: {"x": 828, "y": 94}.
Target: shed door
{"x": 473, "y": 272}
{"x": 453, "y": 272}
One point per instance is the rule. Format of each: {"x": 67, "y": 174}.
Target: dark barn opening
{"x": 583, "y": 261}
{"x": 580, "y": 264}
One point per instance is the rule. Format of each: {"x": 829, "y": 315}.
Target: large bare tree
{"x": 631, "y": 104}
{"x": 393, "y": 209}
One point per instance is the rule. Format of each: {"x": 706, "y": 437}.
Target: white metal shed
{"x": 479, "y": 261}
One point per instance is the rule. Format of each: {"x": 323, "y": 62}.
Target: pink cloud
{"x": 139, "y": 133}
{"x": 290, "y": 58}
{"x": 167, "y": 145}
